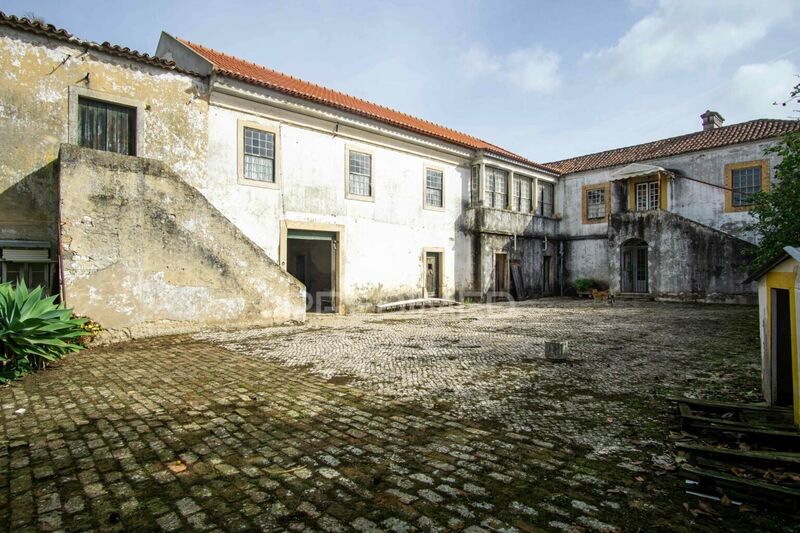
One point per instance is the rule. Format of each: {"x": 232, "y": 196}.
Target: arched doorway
{"x": 634, "y": 271}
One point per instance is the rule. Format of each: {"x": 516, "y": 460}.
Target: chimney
{"x": 711, "y": 120}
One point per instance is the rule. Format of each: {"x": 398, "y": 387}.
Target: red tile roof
{"x": 753, "y": 130}
{"x": 48, "y": 30}
{"x": 236, "y": 68}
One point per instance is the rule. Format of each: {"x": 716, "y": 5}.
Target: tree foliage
{"x": 777, "y": 211}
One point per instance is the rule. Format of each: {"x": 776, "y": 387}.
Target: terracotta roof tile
{"x": 48, "y": 30}
{"x": 753, "y": 130}
{"x": 246, "y": 71}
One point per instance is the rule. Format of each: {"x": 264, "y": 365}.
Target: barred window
{"x": 106, "y": 126}
{"x": 474, "y": 185}
{"x": 434, "y": 180}
{"x": 595, "y": 204}
{"x": 647, "y": 195}
{"x": 496, "y": 187}
{"x": 745, "y": 183}
{"x": 360, "y": 170}
{"x": 259, "y": 155}
{"x": 522, "y": 193}
{"x": 546, "y": 195}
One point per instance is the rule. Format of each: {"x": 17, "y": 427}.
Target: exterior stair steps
{"x": 635, "y": 296}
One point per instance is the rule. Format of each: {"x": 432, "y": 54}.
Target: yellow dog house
{"x": 778, "y": 296}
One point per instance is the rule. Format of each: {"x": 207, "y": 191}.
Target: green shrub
{"x": 33, "y": 330}
{"x": 583, "y": 285}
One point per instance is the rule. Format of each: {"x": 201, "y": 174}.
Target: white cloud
{"x": 686, "y": 35}
{"x": 755, "y": 87}
{"x": 529, "y": 69}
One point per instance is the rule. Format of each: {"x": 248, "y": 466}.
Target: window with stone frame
{"x": 106, "y": 126}
{"x": 745, "y": 182}
{"x": 259, "y": 155}
{"x": 496, "y": 190}
{"x": 359, "y": 173}
{"x": 434, "y": 187}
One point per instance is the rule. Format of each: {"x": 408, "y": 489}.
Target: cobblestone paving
{"x": 446, "y": 420}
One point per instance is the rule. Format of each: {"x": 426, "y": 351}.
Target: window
{"x": 522, "y": 193}
{"x": 594, "y": 203}
{"x": 742, "y": 181}
{"x": 31, "y": 265}
{"x": 434, "y": 187}
{"x": 359, "y": 169}
{"x": 546, "y": 194}
{"x": 496, "y": 187}
{"x": 106, "y": 126}
{"x": 745, "y": 183}
{"x": 474, "y": 185}
{"x": 647, "y": 195}
{"x": 259, "y": 155}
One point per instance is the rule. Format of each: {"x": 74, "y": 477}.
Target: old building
{"x": 193, "y": 188}
{"x": 669, "y": 218}
{"x": 364, "y": 204}
{"x": 100, "y": 147}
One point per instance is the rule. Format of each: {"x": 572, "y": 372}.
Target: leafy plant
{"x": 777, "y": 211}
{"x": 583, "y": 284}
{"x": 33, "y": 330}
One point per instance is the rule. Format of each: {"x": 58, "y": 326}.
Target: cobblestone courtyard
{"x": 447, "y": 419}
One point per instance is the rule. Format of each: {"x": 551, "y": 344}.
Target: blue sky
{"x": 545, "y": 79}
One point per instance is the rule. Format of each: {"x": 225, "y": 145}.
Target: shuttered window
{"x": 106, "y": 126}
{"x": 474, "y": 185}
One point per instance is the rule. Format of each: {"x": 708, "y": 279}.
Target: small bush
{"x": 33, "y": 331}
{"x": 583, "y": 284}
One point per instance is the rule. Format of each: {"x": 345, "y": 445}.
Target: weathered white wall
{"x": 699, "y": 202}
{"x": 383, "y": 239}
{"x": 36, "y": 74}
{"x": 696, "y": 201}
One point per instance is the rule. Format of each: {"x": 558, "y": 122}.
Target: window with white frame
{"x": 474, "y": 185}
{"x": 359, "y": 173}
{"x": 496, "y": 190}
{"x": 595, "y": 204}
{"x": 745, "y": 182}
{"x": 546, "y": 195}
{"x": 434, "y": 187}
{"x": 523, "y": 187}
{"x": 259, "y": 155}
{"x": 647, "y": 195}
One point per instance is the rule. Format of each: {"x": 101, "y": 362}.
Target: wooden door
{"x": 782, "y": 346}
{"x": 432, "y": 275}
{"x": 500, "y": 272}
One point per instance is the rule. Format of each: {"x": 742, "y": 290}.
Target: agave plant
{"x": 33, "y": 330}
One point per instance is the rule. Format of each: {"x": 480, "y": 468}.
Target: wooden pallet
{"x": 708, "y": 481}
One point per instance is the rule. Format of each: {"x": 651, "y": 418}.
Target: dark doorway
{"x": 547, "y": 264}
{"x": 311, "y": 258}
{"x": 782, "y": 347}
{"x": 501, "y": 272}
{"x": 635, "y": 273}
{"x": 433, "y": 274}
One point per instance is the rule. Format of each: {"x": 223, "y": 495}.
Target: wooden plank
{"x": 789, "y": 458}
{"x": 516, "y": 276}
{"x": 729, "y": 406}
{"x": 759, "y": 489}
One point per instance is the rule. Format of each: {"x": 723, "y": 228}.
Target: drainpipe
{"x": 59, "y": 240}
{"x": 561, "y": 267}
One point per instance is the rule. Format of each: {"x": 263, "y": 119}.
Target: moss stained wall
{"x": 36, "y": 74}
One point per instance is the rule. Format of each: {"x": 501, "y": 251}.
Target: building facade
{"x": 192, "y": 188}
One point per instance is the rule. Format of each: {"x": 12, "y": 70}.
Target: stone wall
{"x": 145, "y": 253}
{"x": 38, "y": 75}
{"x": 686, "y": 260}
